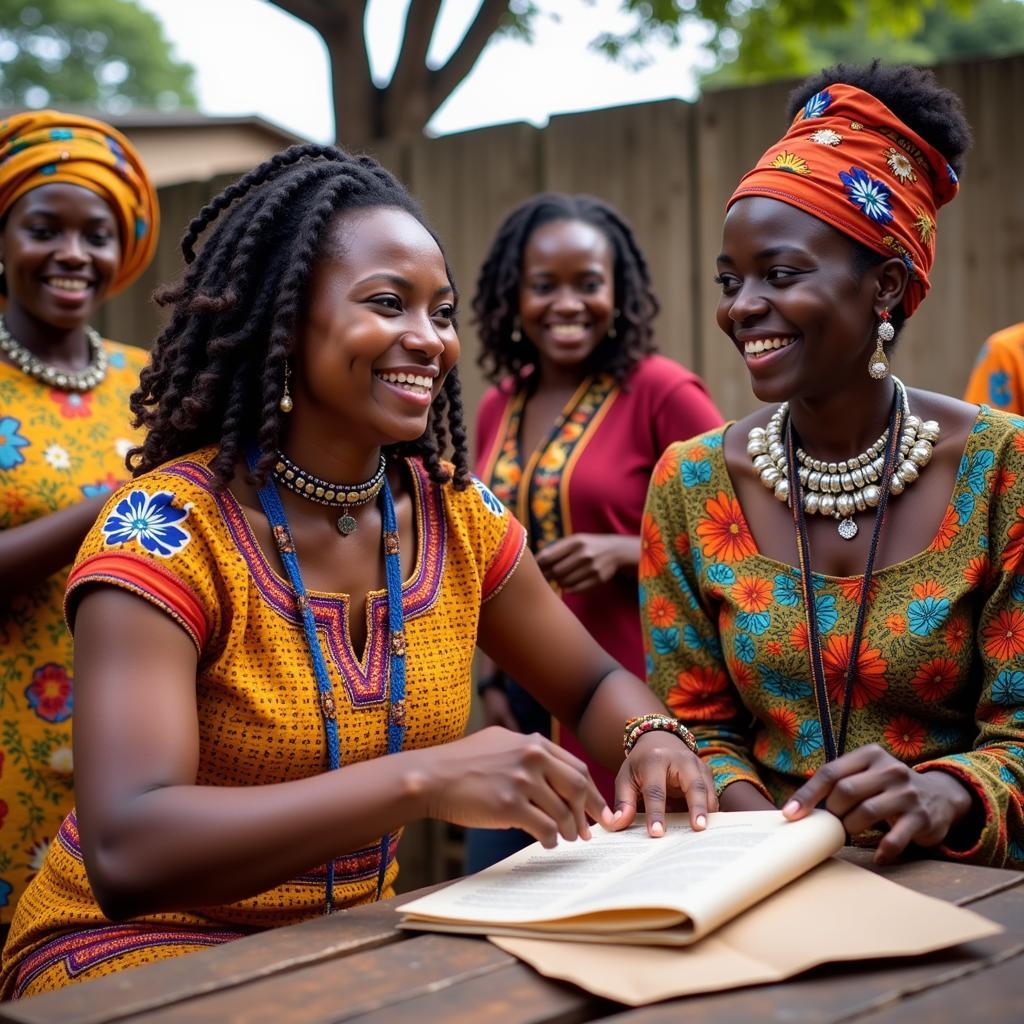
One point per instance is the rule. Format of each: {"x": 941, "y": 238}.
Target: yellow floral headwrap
{"x": 44, "y": 147}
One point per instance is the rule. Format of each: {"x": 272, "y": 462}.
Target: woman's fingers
{"x": 820, "y": 785}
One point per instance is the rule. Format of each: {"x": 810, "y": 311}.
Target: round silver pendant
{"x": 847, "y": 529}
{"x": 347, "y": 524}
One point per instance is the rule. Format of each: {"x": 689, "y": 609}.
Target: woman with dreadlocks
{"x": 567, "y": 438}
{"x": 274, "y": 621}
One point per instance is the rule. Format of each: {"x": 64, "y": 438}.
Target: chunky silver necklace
{"x": 323, "y": 492}
{"x": 66, "y": 380}
{"x": 842, "y": 489}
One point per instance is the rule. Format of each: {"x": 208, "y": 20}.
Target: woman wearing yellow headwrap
{"x": 78, "y": 222}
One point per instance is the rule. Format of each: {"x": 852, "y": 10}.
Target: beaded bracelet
{"x": 636, "y": 727}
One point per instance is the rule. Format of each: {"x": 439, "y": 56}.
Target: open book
{"x": 625, "y": 887}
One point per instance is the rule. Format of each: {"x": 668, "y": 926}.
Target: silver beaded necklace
{"x": 66, "y": 380}
{"x": 842, "y": 489}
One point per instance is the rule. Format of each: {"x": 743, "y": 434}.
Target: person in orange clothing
{"x": 998, "y": 376}
{"x": 78, "y": 223}
{"x": 276, "y": 618}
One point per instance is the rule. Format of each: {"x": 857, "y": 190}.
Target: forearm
{"x": 743, "y": 796}
{"x": 618, "y": 697}
{"x": 35, "y": 550}
{"x": 244, "y": 840}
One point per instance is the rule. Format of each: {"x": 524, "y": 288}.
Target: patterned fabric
{"x": 56, "y": 448}
{"x": 571, "y": 488}
{"x": 45, "y": 147}
{"x": 170, "y": 539}
{"x": 940, "y": 677}
{"x": 998, "y": 376}
{"x": 848, "y": 160}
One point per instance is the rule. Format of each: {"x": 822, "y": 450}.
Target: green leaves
{"x": 107, "y": 54}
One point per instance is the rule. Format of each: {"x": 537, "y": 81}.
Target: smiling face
{"x": 566, "y": 292}
{"x": 61, "y": 250}
{"x": 792, "y": 301}
{"x": 378, "y": 338}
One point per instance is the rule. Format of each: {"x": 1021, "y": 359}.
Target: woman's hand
{"x": 501, "y": 779}
{"x": 583, "y": 560}
{"x": 660, "y": 766}
{"x": 868, "y": 786}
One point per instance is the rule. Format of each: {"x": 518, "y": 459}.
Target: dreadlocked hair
{"x": 496, "y": 302}
{"x": 217, "y": 371}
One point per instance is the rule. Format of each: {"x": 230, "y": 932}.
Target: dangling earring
{"x": 1, "y": 268}
{"x": 517, "y": 335}
{"x": 612, "y": 333}
{"x": 878, "y": 364}
{"x": 285, "y": 405}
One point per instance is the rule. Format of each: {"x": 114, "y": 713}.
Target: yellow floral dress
{"x": 56, "y": 449}
{"x": 172, "y": 540}
{"x": 940, "y": 675}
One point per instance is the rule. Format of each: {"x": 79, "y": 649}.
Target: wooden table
{"x": 357, "y": 966}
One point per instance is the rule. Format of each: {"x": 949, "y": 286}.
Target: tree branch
{"x": 442, "y": 82}
{"x": 323, "y": 14}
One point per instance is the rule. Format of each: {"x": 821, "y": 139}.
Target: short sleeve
{"x": 494, "y": 536}
{"x": 155, "y": 538}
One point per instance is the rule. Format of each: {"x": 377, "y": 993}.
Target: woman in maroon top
{"x": 580, "y": 411}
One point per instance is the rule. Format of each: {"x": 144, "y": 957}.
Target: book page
{"x": 627, "y": 880}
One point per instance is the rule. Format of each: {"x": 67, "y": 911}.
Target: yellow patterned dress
{"x": 940, "y": 675}
{"x": 169, "y": 538}
{"x": 56, "y": 449}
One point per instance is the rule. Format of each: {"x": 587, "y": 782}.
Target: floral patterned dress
{"x": 57, "y": 448}
{"x": 940, "y": 676}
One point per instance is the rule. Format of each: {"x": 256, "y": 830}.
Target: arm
{"x": 154, "y": 840}
{"x": 686, "y": 667}
{"x": 35, "y": 550}
{"x": 569, "y": 673}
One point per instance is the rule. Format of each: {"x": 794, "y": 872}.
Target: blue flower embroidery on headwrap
{"x": 867, "y": 193}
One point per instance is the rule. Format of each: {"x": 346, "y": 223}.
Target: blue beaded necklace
{"x": 274, "y": 510}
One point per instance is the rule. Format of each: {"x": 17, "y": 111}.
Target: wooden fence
{"x": 669, "y": 167}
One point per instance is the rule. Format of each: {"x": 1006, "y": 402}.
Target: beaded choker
{"x": 842, "y": 489}
{"x": 289, "y": 475}
{"x": 66, "y": 380}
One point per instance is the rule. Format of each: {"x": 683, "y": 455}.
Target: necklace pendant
{"x": 346, "y": 524}
{"x": 847, "y": 529}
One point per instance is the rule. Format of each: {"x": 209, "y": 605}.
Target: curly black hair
{"x": 217, "y": 370}
{"x": 496, "y": 302}
{"x": 917, "y": 99}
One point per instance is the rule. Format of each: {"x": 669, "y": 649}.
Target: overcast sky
{"x": 252, "y": 58}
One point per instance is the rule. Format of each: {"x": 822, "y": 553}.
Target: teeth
{"x": 413, "y": 379}
{"x": 70, "y": 284}
{"x": 566, "y": 330}
{"x": 753, "y": 348}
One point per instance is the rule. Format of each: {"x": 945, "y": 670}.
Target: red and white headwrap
{"x": 850, "y": 161}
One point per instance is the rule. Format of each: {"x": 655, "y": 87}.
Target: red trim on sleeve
{"x": 971, "y": 783}
{"x": 152, "y": 582}
{"x": 505, "y": 559}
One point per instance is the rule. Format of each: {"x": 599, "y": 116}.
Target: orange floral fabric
{"x": 848, "y": 160}
{"x": 940, "y": 675}
{"x": 998, "y": 376}
{"x": 57, "y": 448}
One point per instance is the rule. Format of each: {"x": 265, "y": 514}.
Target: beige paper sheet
{"x": 836, "y": 912}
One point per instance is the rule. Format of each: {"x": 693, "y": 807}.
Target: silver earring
{"x": 878, "y": 364}
{"x": 517, "y": 335}
{"x": 1, "y": 268}
{"x": 285, "y": 405}
{"x": 612, "y": 333}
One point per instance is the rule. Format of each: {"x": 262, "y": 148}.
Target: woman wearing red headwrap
{"x": 78, "y": 222}
{"x": 833, "y": 588}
